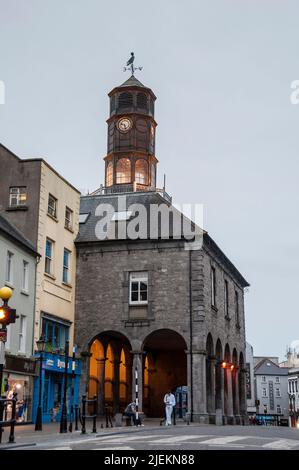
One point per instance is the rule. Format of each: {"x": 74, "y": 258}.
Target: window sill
{"x": 51, "y": 276}
{"x": 214, "y": 308}
{"x": 52, "y": 217}
{"x": 9, "y": 284}
{"x": 69, "y": 229}
{"x": 25, "y": 292}
{"x": 67, "y": 284}
{"x": 17, "y": 208}
{"x": 138, "y": 304}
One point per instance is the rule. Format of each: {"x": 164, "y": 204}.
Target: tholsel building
{"x": 151, "y": 299}
{"x": 44, "y": 207}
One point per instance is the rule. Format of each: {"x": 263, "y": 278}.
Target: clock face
{"x": 124, "y": 124}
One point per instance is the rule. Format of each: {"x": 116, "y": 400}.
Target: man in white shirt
{"x": 169, "y": 401}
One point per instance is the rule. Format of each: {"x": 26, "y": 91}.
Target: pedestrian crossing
{"x": 195, "y": 441}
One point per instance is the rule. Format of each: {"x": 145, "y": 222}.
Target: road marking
{"x": 223, "y": 440}
{"x": 128, "y": 438}
{"x": 284, "y": 444}
{"x": 115, "y": 448}
{"x": 177, "y": 439}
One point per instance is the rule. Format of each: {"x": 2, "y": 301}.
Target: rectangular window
{"x": 237, "y": 308}
{"x": 226, "y": 312}
{"x": 9, "y": 267}
{"x": 25, "y": 276}
{"x": 213, "y": 287}
{"x": 7, "y": 344}
{"x": 17, "y": 196}
{"x": 52, "y": 206}
{"x": 277, "y": 380}
{"x": 263, "y": 378}
{"x": 278, "y": 392}
{"x": 278, "y": 409}
{"x": 55, "y": 334}
{"x": 49, "y": 257}
{"x": 264, "y": 392}
{"x": 22, "y": 334}
{"x": 68, "y": 223}
{"x": 138, "y": 288}
{"x": 66, "y": 265}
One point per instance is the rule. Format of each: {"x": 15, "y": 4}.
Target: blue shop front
{"x": 53, "y": 373}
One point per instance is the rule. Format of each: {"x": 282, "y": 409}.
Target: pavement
{"x": 155, "y": 437}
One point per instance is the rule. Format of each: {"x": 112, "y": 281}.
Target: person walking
{"x": 169, "y": 401}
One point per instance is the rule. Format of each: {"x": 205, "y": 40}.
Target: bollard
{"x": 83, "y": 431}
{"x": 76, "y": 417}
{"x": 95, "y": 405}
{"x": 106, "y": 415}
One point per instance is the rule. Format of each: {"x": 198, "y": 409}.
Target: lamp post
{"x": 40, "y": 344}
{"x": 63, "y": 419}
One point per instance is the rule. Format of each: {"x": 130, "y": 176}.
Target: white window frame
{"x": 264, "y": 379}
{"x": 9, "y": 267}
{"x": 25, "y": 276}
{"x": 68, "y": 222}
{"x": 22, "y": 334}
{"x": 17, "y": 196}
{"x": 138, "y": 277}
{"x": 49, "y": 258}
{"x": 52, "y": 211}
{"x": 277, "y": 393}
{"x": 66, "y": 267}
{"x": 8, "y": 337}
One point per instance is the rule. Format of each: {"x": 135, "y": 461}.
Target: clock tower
{"x": 130, "y": 163}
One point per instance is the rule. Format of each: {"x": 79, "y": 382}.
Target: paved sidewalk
{"x": 26, "y": 436}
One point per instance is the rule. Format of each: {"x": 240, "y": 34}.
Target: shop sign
{"x": 19, "y": 364}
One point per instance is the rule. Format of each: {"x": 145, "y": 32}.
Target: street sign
{"x": 3, "y": 336}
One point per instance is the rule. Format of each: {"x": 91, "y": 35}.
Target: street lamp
{"x": 40, "y": 344}
{"x": 63, "y": 419}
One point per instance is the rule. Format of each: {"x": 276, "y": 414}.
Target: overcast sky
{"x": 227, "y": 136}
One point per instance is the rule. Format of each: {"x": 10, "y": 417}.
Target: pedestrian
{"x": 130, "y": 412}
{"x": 169, "y": 401}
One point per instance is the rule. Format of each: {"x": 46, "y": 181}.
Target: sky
{"x": 227, "y": 133}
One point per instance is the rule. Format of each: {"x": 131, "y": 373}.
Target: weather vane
{"x": 130, "y": 64}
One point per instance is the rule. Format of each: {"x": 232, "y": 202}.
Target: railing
{"x": 11, "y": 422}
{"x": 129, "y": 188}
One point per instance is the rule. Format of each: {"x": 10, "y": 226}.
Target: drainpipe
{"x": 191, "y": 337}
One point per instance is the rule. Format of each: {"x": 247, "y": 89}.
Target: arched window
{"x": 123, "y": 171}
{"x": 141, "y": 101}
{"x": 125, "y": 100}
{"x": 141, "y": 172}
{"x": 109, "y": 174}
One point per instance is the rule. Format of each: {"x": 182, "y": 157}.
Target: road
{"x": 185, "y": 438}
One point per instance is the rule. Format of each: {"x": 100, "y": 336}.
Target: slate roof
{"x": 11, "y": 232}
{"x": 132, "y": 81}
{"x": 262, "y": 368}
{"x": 90, "y": 203}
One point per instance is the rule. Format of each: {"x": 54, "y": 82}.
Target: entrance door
{"x": 56, "y": 396}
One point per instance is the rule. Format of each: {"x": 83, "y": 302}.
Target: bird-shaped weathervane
{"x": 130, "y": 64}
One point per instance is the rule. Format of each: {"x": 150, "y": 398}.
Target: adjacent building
{"x": 18, "y": 260}
{"x": 271, "y": 388}
{"x": 250, "y": 390}
{"x": 153, "y": 308}
{"x": 45, "y": 209}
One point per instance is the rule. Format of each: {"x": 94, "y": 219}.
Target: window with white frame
{"x": 277, "y": 380}
{"x": 264, "y": 392}
{"x": 25, "y": 276}
{"x": 17, "y": 196}
{"x": 49, "y": 256}
{"x": 264, "y": 379}
{"x": 278, "y": 409}
{"x": 52, "y": 206}
{"x": 22, "y": 334}
{"x": 213, "y": 287}
{"x": 9, "y": 267}
{"x": 138, "y": 288}
{"x": 66, "y": 266}
{"x": 68, "y": 222}
{"x": 8, "y": 337}
{"x": 278, "y": 392}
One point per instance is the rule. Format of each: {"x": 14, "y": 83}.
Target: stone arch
{"x": 166, "y": 351}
